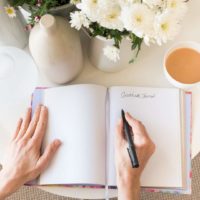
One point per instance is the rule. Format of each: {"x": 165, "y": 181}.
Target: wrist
{"x": 128, "y": 178}
{"x": 128, "y": 187}
{"x": 3, "y": 186}
{"x": 7, "y": 185}
{"x": 129, "y": 192}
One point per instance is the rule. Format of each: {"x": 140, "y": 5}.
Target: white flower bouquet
{"x": 151, "y": 21}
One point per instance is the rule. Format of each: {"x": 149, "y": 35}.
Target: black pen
{"x": 131, "y": 146}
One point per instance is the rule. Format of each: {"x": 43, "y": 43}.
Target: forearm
{"x": 3, "y": 188}
{"x": 7, "y": 186}
{"x": 3, "y": 192}
{"x": 128, "y": 189}
{"x": 126, "y": 193}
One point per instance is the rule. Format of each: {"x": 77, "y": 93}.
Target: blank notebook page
{"x": 77, "y": 118}
{"x": 159, "y": 110}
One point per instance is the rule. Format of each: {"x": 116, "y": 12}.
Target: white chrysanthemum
{"x": 90, "y": 8}
{"x": 78, "y": 19}
{"x": 112, "y": 53}
{"x": 110, "y": 15}
{"x": 138, "y": 19}
{"x": 149, "y": 39}
{"x": 10, "y": 11}
{"x": 126, "y": 2}
{"x": 178, "y": 6}
{"x": 152, "y": 3}
{"x": 166, "y": 27}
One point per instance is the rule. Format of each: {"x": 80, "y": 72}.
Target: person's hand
{"x": 128, "y": 178}
{"x": 24, "y": 161}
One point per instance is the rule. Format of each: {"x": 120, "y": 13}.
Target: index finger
{"x": 137, "y": 127}
{"x": 41, "y": 126}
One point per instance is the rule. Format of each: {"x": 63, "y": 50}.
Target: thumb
{"x": 47, "y": 156}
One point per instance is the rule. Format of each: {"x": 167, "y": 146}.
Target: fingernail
{"x": 128, "y": 114}
{"x": 57, "y": 142}
{"x": 43, "y": 107}
{"x": 39, "y": 106}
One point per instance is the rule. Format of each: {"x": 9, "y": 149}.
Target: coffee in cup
{"x": 182, "y": 64}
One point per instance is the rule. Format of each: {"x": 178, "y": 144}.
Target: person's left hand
{"x": 24, "y": 161}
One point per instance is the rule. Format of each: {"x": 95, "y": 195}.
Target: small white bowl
{"x": 186, "y": 44}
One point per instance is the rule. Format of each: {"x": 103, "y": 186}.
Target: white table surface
{"x": 146, "y": 71}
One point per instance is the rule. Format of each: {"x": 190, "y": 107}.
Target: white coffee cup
{"x": 185, "y": 44}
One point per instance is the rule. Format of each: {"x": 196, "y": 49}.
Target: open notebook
{"x": 84, "y": 118}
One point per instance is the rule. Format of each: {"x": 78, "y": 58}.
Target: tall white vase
{"x": 12, "y": 30}
{"x": 56, "y": 49}
{"x": 101, "y": 62}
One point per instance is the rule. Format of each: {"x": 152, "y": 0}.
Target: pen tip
{"x": 122, "y": 111}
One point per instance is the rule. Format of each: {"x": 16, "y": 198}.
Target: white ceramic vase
{"x": 56, "y": 49}
{"x": 101, "y": 62}
{"x": 12, "y": 30}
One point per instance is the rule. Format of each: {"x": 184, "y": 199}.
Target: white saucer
{"x": 18, "y": 75}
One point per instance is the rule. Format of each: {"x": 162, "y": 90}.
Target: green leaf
{"x": 38, "y": 11}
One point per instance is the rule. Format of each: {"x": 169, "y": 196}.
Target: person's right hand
{"x": 128, "y": 178}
